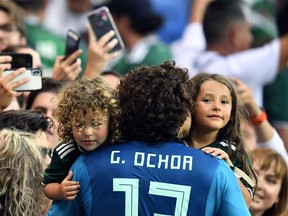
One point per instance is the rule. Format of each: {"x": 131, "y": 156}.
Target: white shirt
{"x": 277, "y": 144}
{"x": 59, "y": 18}
{"x": 255, "y": 67}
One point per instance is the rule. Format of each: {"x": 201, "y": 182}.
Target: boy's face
{"x": 90, "y": 132}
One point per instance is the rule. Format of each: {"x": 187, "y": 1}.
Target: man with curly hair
{"x": 153, "y": 172}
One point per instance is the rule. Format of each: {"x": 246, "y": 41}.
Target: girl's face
{"x": 213, "y": 107}
{"x": 90, "y": 132}
{"x": 267, "y": 192}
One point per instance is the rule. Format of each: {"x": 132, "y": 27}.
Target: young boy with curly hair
{"x": 86, "y": 111}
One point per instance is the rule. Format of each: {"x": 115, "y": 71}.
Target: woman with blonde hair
{"x": 21, "y": 172}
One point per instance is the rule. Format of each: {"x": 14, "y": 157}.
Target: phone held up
{"x": 34, "y": 74}
{"x": 35, "y": 79}
{"x": 102, "y": 22}
{"x": 19, "y": 59}
{"x": 72, "y": 43}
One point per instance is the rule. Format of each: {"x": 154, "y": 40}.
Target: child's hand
{"x": 69, "y": 189}
{"x": 216, "y": 151}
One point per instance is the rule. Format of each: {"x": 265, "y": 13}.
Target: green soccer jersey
{"x": 150, "y": 52}
{"x": 64, "y": 156}
{"x": 223, "y": 145}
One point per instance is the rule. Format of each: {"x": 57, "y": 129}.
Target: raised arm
{"x": 193, "y": 40}
{"x": 67, "y": 69}
{"x": 265, "y": 133}
{"x": 198, "y": 10}
{"x": 99, "y": 52}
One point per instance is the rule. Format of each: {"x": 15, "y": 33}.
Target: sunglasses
{"x": 8, "y": 28}
{"x": 46, "y": 151}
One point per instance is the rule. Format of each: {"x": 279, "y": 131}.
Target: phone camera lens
{"x": 36, "y": 72}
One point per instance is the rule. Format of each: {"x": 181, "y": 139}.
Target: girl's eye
{"x": 271, "y": 180}
{"x": 225, "y": 102}
{"x": 206, "y": 100}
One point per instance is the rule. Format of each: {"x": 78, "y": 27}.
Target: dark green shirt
{"x": 223, "y": 145}
{"x": 64, "y": 156}
{"x": 149, "y": 52}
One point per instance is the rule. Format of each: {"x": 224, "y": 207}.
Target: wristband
{"x": 257, "y": 120}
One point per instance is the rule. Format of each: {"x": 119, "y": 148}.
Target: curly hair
{"x": 21, "y": 173}
{"x": 155, "y": 103}
{"x": 82, "y": 95}
{"x": 231, "y": 131}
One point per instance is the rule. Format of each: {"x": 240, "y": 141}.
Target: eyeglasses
{"x": 8, "y": 28}
{"x": 46, "y": 151}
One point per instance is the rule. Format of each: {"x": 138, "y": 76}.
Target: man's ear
{"x": 234, "y": 37}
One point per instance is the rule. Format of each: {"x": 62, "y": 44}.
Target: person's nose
{"x": 216, "y": 106}
{"x": 88, "y": 131}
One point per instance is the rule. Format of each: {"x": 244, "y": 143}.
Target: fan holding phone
{"x": 8, "y": 84}
{"x": 20, "y": 61}
{"x": 105, "y": 42}
{"x": 72, "y": 43}
{"x": 68, "y": 67}
{"x": 137, "y": 24}
{"x": 102, "y": 22}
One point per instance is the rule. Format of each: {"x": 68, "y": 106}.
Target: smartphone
{"x": 19, "y": 59}
{"x": 72, "y": 43}
{"x": 35, "y": 79}
{"x": 102, "y": 22}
